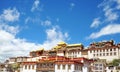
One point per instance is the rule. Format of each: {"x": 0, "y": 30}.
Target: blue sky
{"x": 27, "y": 25}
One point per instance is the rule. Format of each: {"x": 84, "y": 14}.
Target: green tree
{"x": 115, "y": 62}
{"x": 15, "y": 66}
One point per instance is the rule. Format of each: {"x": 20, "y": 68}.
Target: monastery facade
{"x": 70, "y": 58}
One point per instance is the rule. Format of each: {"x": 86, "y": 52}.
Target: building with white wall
{"x": 104, "y": 50}
{"x": 28, "y": 67}
{"x": 98, "y": 65}
{"x": 113, "y": 69}
{"x": 68, "y": 66}
{"x": 68, "y": 50}
{"x": 66, "y": 56}
{"x": 2, "y": 67}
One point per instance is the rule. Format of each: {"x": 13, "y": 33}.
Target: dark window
{"x": 103, "y": 54}
{"x": 29, "y": 67}
{"x": 58, "y": 66}
{"x": 69, "y": 67}
{"x": 32, "y": 66}
{"x": 63, "y": 66}
{"x": 107, "y": 54}
{"x": 114, "y": 53}
{"x": 110, "y": 49}
{"x": 25, "y": 66}
{"x": 114, "y": 49}
{"x": 100, "y": 65}
{"x": 110, "y": 54}
{"x": 96, "y": 64}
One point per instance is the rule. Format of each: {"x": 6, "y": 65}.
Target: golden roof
{"x": 61, "y": 43}
{"x": 70, "y": 45}
{"x": 40, "y": 49}
{"x": 57, "y": 47}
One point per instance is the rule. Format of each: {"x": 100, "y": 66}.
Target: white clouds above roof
{"x": 110, "y": 12}
{"x": 107, "y": 30}
{"x": 109, "y": 17}
{"x": 54, "y": 36}
{"x": 11, "y": 46}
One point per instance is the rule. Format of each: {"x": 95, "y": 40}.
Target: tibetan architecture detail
{"x": 64, "y": 57}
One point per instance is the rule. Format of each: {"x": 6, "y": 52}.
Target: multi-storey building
{"x": 113, "y": 69}
{"x": 56, "y": 64}
{"x": 17, "y": 59}
{"x": 64, "y": 57}
{"x": 98, "y": 65}
{"x": 62, "y": 49}
{"x": 68, "y": 66}
{"x": 2, "y": 67}
{"x": 68, "y": 50}
{"x": 104, "y": 50}
{"x": 28, "y": 67}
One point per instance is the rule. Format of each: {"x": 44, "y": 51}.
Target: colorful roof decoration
{"x": 74, "y": 45}
{"x": 61, "y": 43}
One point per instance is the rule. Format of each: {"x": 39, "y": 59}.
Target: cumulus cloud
{"x": 110, "y": 12}
{"x": 108, "y": 30}
{"x": 10, "y": 15}
{"x": 11, "y": 46}
{"x": 54, "y": 36}
{"x": 11, "y": 29}
{"x": 110, "y": 15}
{"x": 35, "y": 5}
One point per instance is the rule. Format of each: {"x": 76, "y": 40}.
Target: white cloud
{"x": 35, "y": 5}
{"x": 110, "y": 10}
{"x": 96, "y": 22}
{"x": 34, "y": 20}
{"x": 27, "y": 20}
{"x": 110, "y": 14}
{"x": 11, "y": 46}
{"x": 108, "y": 30}
{"x": 5, "y": 36}
{"x": 10, "y": 15}
{"x": 46, "y": 23}
{"x": 54, "y": 36}
{"x": 118, "y": 4}
{"x": 10, "y": 29}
